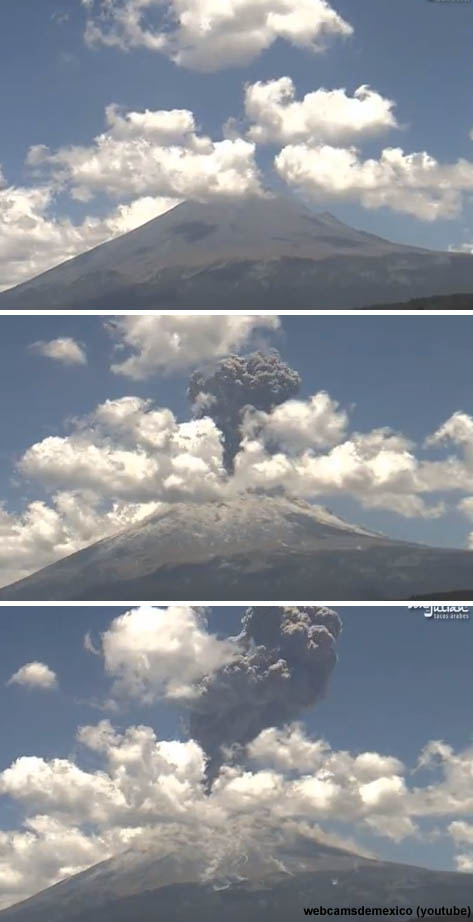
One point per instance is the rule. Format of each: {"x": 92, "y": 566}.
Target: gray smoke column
{"x": 285, "y": 657}
{"x": 261, "y": 380}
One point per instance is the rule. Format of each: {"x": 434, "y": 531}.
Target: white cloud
{"x": 118, "y": 466}
{"x": 44, "y": 851}
{"x": 64, "y": 349}
{"x": 415, "y": 184}
{"x": 151, "y": 793}
{"x": 121, "y": 464}
{"x": 161, "y": 652}
{"x": 458, "y": 429}
{"x": 208, "y": 35}
{"x": 152, "y": 153}
{"x": 60, "y": 785}
{"x": 286, "y": 792}
{"x": 464, "y": 863}
{"x": 33, "y": 239}
{"x": 298, "y": 425}
{"x": 461, "y": 247}
{"x": 461, "y": 832}
{"x": 147, "y": 161}
{"x": 34, "y": 675}
{"x": 167, "y": 343}
{"x": 454, "y": 792}
{"x": 128, "y": 449}
{"x": 466, "y": 507}
{"x": 44, "y": 533}
{"x": 129, "y": 459}
{"x": 324, "y": 115}
{"x": 128, "y": 216}
{"x": 379, "y": 468}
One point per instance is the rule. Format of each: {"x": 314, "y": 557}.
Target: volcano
{"x": 137, "y": 885}
{"x": 253, "y": 546}
{"x": 266, "y": 252}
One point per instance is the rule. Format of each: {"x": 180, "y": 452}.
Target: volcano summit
{"x": 265, "y": 252}
{"x": 253, "y": 546}
{"x": 140, "y": 885}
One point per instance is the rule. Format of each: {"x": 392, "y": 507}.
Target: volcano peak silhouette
{"x": 146, "y": 886}
{"x": 253, "y": 546}
{"x": 262, "y": 252}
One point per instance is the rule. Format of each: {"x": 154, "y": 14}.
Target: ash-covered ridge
{"x": 269, "y": 252}
{"x": 139, "y": 884}
{"x": 253, "y": 546}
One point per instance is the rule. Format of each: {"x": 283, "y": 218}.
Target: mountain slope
{"x": 452, "y": 302}
{"x": 138, "y": 886}
{"x": 268, "y": 252}
{"x": 251, "y": 547}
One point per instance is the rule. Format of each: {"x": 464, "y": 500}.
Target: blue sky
{"x": 416, "y": 54}
{"x": 401, "y": 682}
{"x": 384, "y": 377}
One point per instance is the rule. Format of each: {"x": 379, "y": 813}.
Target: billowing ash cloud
{"x": 261, "y": 380}
{"x": 286, "y": 657}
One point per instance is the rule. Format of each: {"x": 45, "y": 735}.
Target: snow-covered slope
{"x": 138, "y": 886}
{"x": 255, "y": 547}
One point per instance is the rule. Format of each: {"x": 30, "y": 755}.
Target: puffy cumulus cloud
{"x": 464, "y": 862}
{"x": 34, "y": 239}
{"x": 162, "y": 652}
{"x": 379, "y": 468}
{"x": 130, "y": 458}
{"x": 368, "y": 786}
{"x": 466, "y": 247}
{"x": 152, "y": 153}
{"x": 150, "y": 793}
{"x": 86, "y": 817}
{"x": 119, "y": 465}
{"x": 457, "y": 469}
{"x": 34, "y": 675}
{"x": 466, "y": 507}
{"x": 290, "y": 749}
{"x": 60, "y": 785}
{"x": 415, "y": 184}
{"x": 206, "y": 35}
{"x": 130, "y": 215}
{"x": 44, "y": 851}
{"x": 64, "y": 349}
{"x": 168, "y": 343}
{"x": 458, "y": 429}
{"x": 128, "y": 449}
{"x": 371, "y": 787}
{"x": 324, "y": 115}
{"x": 462, "y": 834}
{"x": 44, "y": 532}
{"x": 298, "y": 425}
{"x": 454, "y": 792}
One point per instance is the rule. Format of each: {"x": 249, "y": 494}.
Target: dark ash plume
{"x": 260, "y": 380}
{"x": 286, "y": 656}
